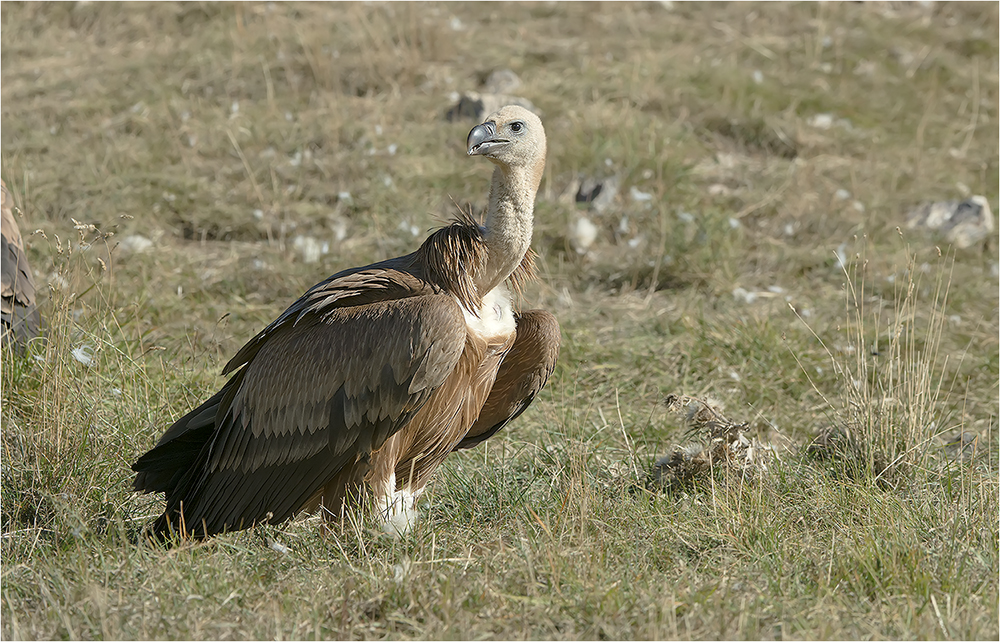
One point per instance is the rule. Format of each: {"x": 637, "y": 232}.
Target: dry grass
{"x": 766, "y": 272}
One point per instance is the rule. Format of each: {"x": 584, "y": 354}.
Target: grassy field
{"x": 771, "y": 271}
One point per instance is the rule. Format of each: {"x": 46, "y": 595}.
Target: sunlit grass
{"x": 222, "y": 132}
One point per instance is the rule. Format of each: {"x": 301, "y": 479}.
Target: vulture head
{"x": 512, "y": 138}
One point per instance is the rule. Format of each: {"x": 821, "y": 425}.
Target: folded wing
{"x": 324, "y": 385}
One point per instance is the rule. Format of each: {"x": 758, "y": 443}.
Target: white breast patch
{"x": 496, "y": 316}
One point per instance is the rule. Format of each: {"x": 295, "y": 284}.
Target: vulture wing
{"x": 332, "y": 378}
{"x": 18, "y": 312}
{"x": 523, "y": 372}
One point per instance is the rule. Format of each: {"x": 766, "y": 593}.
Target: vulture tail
{"x": 21, "y": 325}
{"x": 161, "y": 469}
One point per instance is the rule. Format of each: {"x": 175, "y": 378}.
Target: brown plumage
{"x": 367, "y": 382}
{"x": 19, "y": 314}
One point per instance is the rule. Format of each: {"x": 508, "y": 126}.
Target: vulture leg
{"x": 403, "y": 467}
{"x": 523, "y": 372}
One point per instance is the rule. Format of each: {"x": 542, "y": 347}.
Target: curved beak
{"x": 483, "y": 138}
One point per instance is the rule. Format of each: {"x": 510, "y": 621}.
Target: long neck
{"x": 508, "y": 222}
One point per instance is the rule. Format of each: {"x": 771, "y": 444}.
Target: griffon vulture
{"x": 369, "y": 380}
{"x": 19, "y": 315}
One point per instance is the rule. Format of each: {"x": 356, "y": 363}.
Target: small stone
{"x": 964, "y": 447}
{"x": 964, "y": 223}
{"x": 741, "y": 294}
{"x": 134, "y": 244}
{"x": 473, "y": 105}
{"x": 865, "y": 68}
{"x": 339, "y": 230}
{"x": 639, "y": 196}
{"x": 310, "y": 248}
{"x": 600, "y": 194}
{"x": 841, "y": 253}
{"x": 582, "y": 234}
{"x": 501, "y": 81}
{"x": 903, "y": 57}
{"x": 821, "y": 121}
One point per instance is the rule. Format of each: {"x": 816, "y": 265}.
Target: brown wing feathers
{"x": 326, "y": 386}
{"x": 19, "y": 314}
{"x": 386, "y": 281}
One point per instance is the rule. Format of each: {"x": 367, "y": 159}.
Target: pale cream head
{"x": 511, "y": 137}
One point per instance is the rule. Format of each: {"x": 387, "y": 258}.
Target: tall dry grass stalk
{"x": 892, "y": 370}
{"x": 73, "y": 404}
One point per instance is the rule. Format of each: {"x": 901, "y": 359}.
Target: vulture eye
{"x": 516, "y": 126}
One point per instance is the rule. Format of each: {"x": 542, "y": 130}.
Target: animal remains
{"x": 363, "y": 386}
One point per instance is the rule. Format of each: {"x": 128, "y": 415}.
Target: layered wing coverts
{"x": 321, "y": 387}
